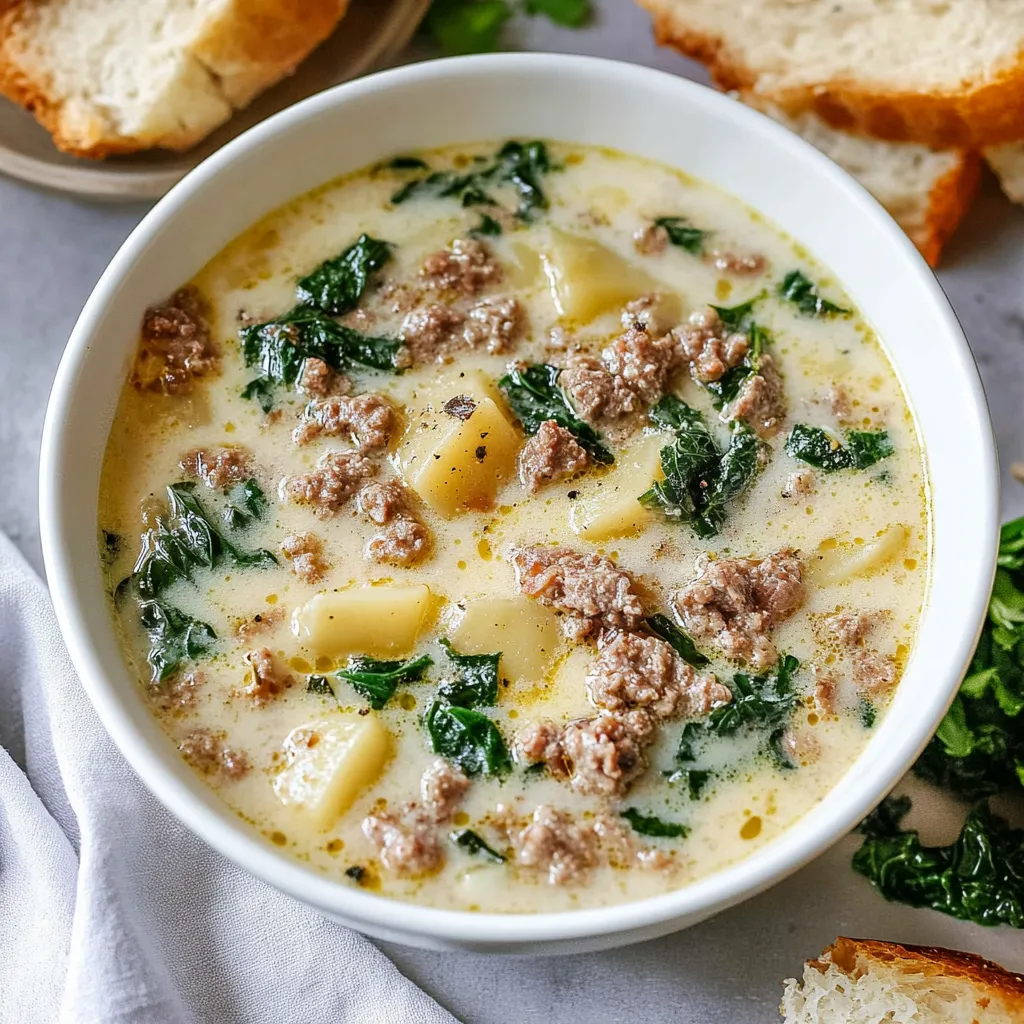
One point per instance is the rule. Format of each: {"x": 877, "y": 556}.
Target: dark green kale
{"x": 467, "y": 738}
{"x": 735, "y": 318}
{"x": 474, "y": 26}
{"x": 651, "y": 825}
{"x": 319, "y": 685}
{"x": 819, "y": 448}
{"x": 475, "y": 681}
{"x": 262, "y": 389}
{"x": 535, "y": 397}
{"x": 680, "y": 642}
{"x": 567, "y": 13}
{"x": 487, "y": 226}
{"x": 761, "y": 705}
{"x": 700, "y": 480}
{"x": 979, "y": 877}
{"x": 885, "y": 819}
{"x": 174, "y": 637}
{"x": 378, "y": 680}
{"x": 185, "y": 541}
{"x": 468, "y": 840}
{"x": 692, "y": 779}
{"x": 337, "y": 285}
{"x": 112, "y": 543}
{"x": 522, "y": 165}
{"x": 246, "y": 503}
{"x": 683, "y": 234}
{"x": 978, "y": 749}
{"x": 797, "y": 288}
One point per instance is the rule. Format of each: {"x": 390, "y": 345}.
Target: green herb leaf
{"x": 692, "y": 779}
{"x": 651, "y": 825}
{"x": 535, "y": 397}
{"x": 476, "y": 678}
{"x": 467, "y": 26}
{"x": 467, "y": 738}
{"x": 246, "y": 503}
{"x": 262, "y": 389}
{"x": 735, "y": 472}
{"x": 337, "y": 285}
{"x": 683, "y": 234}
{"x": 319, "y": 685}
{"x": 568, "y": 13}
{"x": 819, "y": 448}
{"x": 736, "y": 317}
{"x": 377, "y": 680}
{"x": 487, "y": 226}
{"x": 186, "y": 541}
{"x": 679, "y": 641}
{"x": 885, "y": 819}
{"x": 174, "y": 637}
{"x": 469, "y": 841}
{"x": 979, "y": 877}
{"x": 797, "y": 288}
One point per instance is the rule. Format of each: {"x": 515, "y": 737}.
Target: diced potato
{"x": 457, "y": 464}
{"x": 328, "y": 763}
{"x": 523, "y": 270}
{"x": 587, "y": 279}
{"x": 564, "y": 696}
{"x": 379, "y": 621}
{"x": 524, "y": 631}
{"x": 610, "y": 508}
{"x": 841, "y": 564}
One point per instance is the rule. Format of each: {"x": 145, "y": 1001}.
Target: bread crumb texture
{"x": 106, "y": 77}
{"x": 945, "y": 73}
{"x": 864, "y": 981}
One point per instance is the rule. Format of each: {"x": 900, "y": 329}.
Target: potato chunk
{"x": 380, "y": 621}
{"x": 524, "y": 631}
{"x": 328, "y": 763}
{"x": 841, "y": 564}
{"x": 455, "y": 463}
{"x": 609, "y": 507}
{"x": 587, "y": 279}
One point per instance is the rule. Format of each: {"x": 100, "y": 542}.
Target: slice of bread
{"x": 1007, "y": 163}
{"x": 927, "y": 191}
{"x": 117, "y": 76}
{"x": 863, "y": 981}
{"x": 939, "y": 72}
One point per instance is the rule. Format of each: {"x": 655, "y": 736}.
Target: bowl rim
{"x": 807, "y": 838}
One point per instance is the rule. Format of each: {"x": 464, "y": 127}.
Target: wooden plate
{"x": 372, "y": 33}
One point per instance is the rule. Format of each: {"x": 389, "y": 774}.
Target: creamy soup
{"x": 516, "y": 528}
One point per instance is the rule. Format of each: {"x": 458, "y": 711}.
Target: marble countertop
{"x": 727, "y": 971}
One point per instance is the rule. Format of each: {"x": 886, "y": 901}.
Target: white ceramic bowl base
{"x": 580, "y": 100}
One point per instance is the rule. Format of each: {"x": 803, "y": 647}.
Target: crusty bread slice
{"x": 927, "y": 191}
{"x": 863, "y": 981}
{"x": 1007, "y": 163}
{"x": 940, "y": 73}
{"x": 117, "y": 76}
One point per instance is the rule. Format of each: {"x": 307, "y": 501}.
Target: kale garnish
{"x": 246, "y": 503}
{"x": 487, "y": 226}
{"x": 337, "y": 285}
{"x": 797, "y": 288}
{"x": 535, "y": 397}
{"x": 174, "y": 637}
{"x": 467, "y": 738}
{"x": 475, "y": 681}
{"x": 377, "y": 680}
{"x": 469, "y": 841}
{"x": 819, "y": 448}
{"x": 694, "y": 780}
{"x": 185, "y": 541}
{"x": 979, "y": 877}
{"x": 683, "y": 234}
{"x": 700, "y": 480}
{"x": 680, "y": 642}
{"x": 652, "y": 825}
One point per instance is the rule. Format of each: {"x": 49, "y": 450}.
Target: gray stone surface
{"x": 52, "y": 250}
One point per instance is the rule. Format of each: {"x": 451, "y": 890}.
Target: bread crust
{"x": 931, "y": 961}
{"x": 247, "y": 48}
{"x": 948, "y": 202}
{"x": 980, "y": 114}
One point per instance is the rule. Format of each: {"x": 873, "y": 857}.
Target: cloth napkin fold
{"x": 110, "y": 911}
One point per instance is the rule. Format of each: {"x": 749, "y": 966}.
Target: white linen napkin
{"x": 110, "y": 911}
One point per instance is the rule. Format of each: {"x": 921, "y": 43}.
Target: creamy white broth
{"x": 599, "y": 195}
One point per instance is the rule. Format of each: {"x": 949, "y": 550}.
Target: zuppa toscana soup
{"x": 516, "y": 527}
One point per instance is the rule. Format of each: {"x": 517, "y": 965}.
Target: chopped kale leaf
{"x": 819, "y": 448}
{"x": 736, "y": 317}
{"x": 535, "y": 397}
{"x": 567, "y": 13}
{"x": 467, "y": 738}
{"x": 692, "y": 779}
{"x": 319, "y": 685}
{"x": 467, "y": 26}
{"x": 487, "y": 226}
{"x": 246, "y": 503}
{"x": 262, "y": 389}
{"x": 680, "y": 642}
{"x": 377, "y": 680}
{"x": 337, "y": 285}
{"x": 683, "y": 234}
{"x": 652, "y": 825}
{"x": 468, "y": 840}
{"x": 174, "y": 637}
{"x": 797, "y": 288}
{"x": 475, "y": 681}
